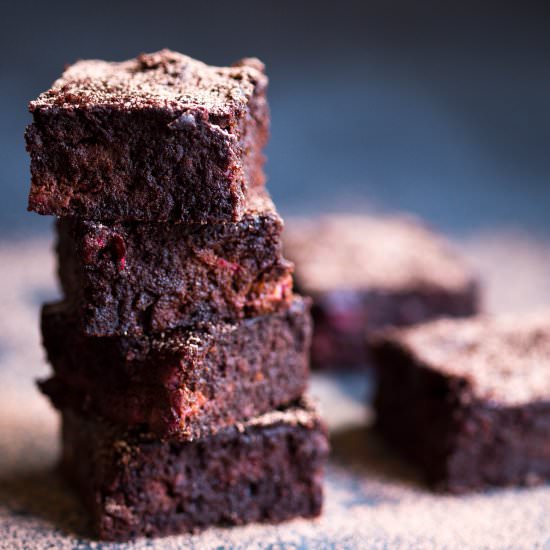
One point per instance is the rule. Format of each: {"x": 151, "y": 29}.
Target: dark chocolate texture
{"x": 157, "y": 138}
{"x": 187, "y": 383}
{"x": 131, "y": 278}
{"x": 468, "y": 401}
{"x": 269, "y": 469}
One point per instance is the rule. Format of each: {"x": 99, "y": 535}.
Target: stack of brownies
{"x": 180, "y": 353}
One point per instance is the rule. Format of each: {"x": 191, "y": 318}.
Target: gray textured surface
{"x": 372, "y": 499}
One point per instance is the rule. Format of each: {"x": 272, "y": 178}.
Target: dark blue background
{"x": 440, "y": 109}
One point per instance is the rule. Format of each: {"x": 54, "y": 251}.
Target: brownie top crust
{"x": 359, "y": 252}
{"x": 504, "y": 359}
{"x": 160, "y": 80}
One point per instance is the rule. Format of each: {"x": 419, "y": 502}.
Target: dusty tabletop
{"x": 372, "y": 499}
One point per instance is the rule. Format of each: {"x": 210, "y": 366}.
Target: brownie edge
{"x": 468, "y": 401}
{"x": 269, "y": 469}
{"x": 185, "y": 384}
{"x": 135, "y": 277}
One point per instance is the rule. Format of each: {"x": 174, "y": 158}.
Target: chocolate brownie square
{"x": 268, "y": 469}
{"x": 367, "y": 272}
{"x": 132, "y": 277}
{"x": 187, "y": 383}
{"x": 468, "y": 401}
{"x": 156, "y": 138}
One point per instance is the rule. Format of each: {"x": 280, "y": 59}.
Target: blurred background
{"x": 435, "y": 107}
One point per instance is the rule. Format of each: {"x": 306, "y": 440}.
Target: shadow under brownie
{"x": 468, "y": 401}
{"x": 368, "y": 272}
{"x": 187, "y": 383}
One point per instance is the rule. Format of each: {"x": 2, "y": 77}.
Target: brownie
{"x": 156, "y": 138}
{"x": 186, "y": 383}
{"x": 368, "y": 272}
{"x": 468, "y": 401}
{"x": 134, "y": 277}
{"x": 268, "y": 469}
